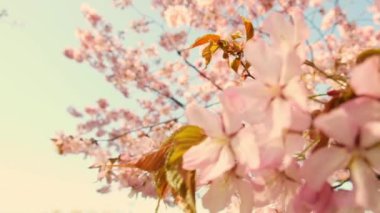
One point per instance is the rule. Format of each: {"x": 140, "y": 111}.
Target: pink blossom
{"x": 354, "y": 126}
{"x": 91, "y": 15}
{"x": 276, "y": 88}
{"x": 177, "y": 15}
{"x": 217, "y": 153}
{"x": 223, "y": 189}
{"x": 285, "y": 34}
{"x": 365, "y": 78}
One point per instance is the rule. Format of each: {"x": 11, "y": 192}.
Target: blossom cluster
{"x": 276, "y": 151}
{"x": 300, "y": 133}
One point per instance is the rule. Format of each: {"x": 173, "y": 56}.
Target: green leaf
{"x": 249, "y": 30}
{"x": 161, "y": 185}
{"x": 182, "y": 183}
{"x": 183, "y": 139}
{"x": 366, "y": 54}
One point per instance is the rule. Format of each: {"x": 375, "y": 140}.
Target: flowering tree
{"x": 280, "y": 113}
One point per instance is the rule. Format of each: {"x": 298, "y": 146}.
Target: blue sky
{"x": 37, "y": 84}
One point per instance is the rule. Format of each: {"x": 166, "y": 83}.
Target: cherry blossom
{"x": 288, "y": 115}
{"x": 216, "y": 155}
{"x": 356, "y": 143}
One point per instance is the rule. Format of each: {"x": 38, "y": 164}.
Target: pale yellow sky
{"x": 37, "y": 83}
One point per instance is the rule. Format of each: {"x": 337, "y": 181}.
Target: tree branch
{"x": 188, "y": 63}
{"x": 138, "y": 129}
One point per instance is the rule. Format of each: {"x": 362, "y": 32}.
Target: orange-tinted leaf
{"x": 208, "y": 51}
{"x": 249, "y": 30}
{"x": 160, "y": 182}
{"x": 235, "y": 64}
{"x": 366, "y": 54}
{"x": 223, "y": 44}
{"x": 205, "y": 39}
{"x": 236, "y": 35}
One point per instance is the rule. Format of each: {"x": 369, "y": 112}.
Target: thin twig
{"x": 138, "y": 129}
{"x": 311, "y": 64}
{"x": 199, "y": 71}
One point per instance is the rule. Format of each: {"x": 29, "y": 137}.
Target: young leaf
{"x": 235, "y": 64}
{"x": 208, "y": 51}
{"x": 153, "y": 161}
{"x": 248, "y": 28}
{"x": 161, "y": 185}
{"x": 182, "y": 140}
{"x": 182, "y": 182}
{"x": 236, "y": 35}
{"x": 205, "y": 39}
{"x": 183, "y": 187}
{"x": 160, "y": 182}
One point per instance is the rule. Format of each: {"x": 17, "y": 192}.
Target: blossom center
{"x": 275, "y": 90}
{"x": 221, "y": 140}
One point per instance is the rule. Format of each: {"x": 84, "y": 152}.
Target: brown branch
{"x": 138, "y": 129}
{"x": 171, "y": 98}
{"x": 333, "y": 77}
{"x": 188, "y": 63}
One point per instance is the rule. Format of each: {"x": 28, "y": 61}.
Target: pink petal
{"x": 370, "y": 134}
{"x": 291, "y": 66}
{"x": 363, "y": 110}
{"x": 264, "y": 60}
{"x": 373, "y": 157}
{"x": 224, "y": 163}
{"x": 311, "y": 200}
{"x": 245, "y": 148}
{"x": 210, "y": 122}
{"x": 365, "y": 185}
{"x": 271, "y": 153}
{"x": 246, "y": 195}
{"x": 280, "y": 30}
{"x": 245, "y": 103}
{"x": 301, "y": 29}
{"x": 235, "y": 105}
{"x": 218, "y": 196}
{"x": 301, "y": 120}
{"x": 202, "y": 155}
{"x": 365, "y": 78}
{"x": 338, "y": 125}
{"x": 294, "y": 143}
{"x": 296, "y": 92}
{"x": 281, "y": 116}
{"x": 345, "y": 201}
{"x": 323, "y": 163}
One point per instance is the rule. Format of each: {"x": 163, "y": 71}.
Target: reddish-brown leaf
{"x": 153, "y": 161}
{"x": 235, "y": 64}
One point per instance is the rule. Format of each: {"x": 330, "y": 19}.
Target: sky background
{"x": 37, "y": 84}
